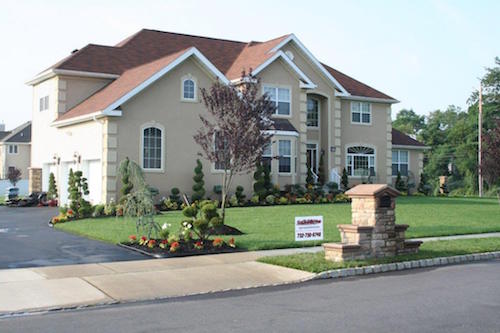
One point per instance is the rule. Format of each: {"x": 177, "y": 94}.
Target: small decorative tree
{"x": 345, "y": 180}
{"x": 239, "y": 194}
{"x": 52, "y": 193}
{"x": 268, "y": 184}
{"x": 127, "y": 186}
{"x": 174, "y": 195}
{"x": 400, "y": 183}
{"x": 78, "y": 187}
{"x": 199, "y": 184}
{"x": 423, "y": 187}
{"x": 259, "y": 186}
{"x": 491, "y": 155}
{"x": 139, "y": 203}
{"x": 233, "y": 134}
{"x": 321, "y": 170}
{"x": 14, "y": 175}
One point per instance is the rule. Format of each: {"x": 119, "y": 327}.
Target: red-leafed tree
{"x": 490, "y": 166}
{"x": 233, "y": 134}
{"x": 14, "y": 175}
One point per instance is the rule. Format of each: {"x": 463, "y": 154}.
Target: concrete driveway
{"x": 27, "y": 241}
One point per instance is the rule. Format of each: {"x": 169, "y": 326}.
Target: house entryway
{"x": 312, "y": 157}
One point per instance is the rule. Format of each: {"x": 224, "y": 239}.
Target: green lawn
{"x": 273, "y": 227}
{"x": 316, "y": 262}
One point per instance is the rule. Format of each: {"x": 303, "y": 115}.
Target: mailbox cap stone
{"x": 372, "y": 190}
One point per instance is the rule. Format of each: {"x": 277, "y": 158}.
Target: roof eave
{"x": 367, "y": 99}
{"x": 411, "y": 147}
{"x": 48, "y": 74}
{"x": 85, "y": 118}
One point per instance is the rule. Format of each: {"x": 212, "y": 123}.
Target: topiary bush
{"x": 175, "y": 195}
{"x": 344, "y": 180}
{"x": 199, "y": 183}
{"x": 52, "y": 192}
{"x": 240, "y": 197}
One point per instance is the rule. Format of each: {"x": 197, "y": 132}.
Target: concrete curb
{"x": 406, "y": 265}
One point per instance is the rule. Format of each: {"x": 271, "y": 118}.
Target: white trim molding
{"x": 50, "y": 73}
{"x": 367, "y": 99}
{"x": 86, "y": 117}
{"x": 282, "y": 133}
{"x": 410, "y": 147}
{"x": 313, "y": 59}
{"x": 185, "y": 78}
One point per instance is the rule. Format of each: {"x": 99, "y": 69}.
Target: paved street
{"x": 27, "y": 241}
{"x": 461, "y": 298}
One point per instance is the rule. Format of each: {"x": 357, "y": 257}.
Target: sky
{"x": 428, "y": 54}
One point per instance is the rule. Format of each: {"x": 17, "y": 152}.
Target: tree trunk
{"x": 224, "y": 194}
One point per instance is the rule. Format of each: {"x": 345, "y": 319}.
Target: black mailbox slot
{"x": 385, "y": 202}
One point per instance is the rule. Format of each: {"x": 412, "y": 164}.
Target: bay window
{"x": 285, "y": 156}
{"x": 360, "y": 161}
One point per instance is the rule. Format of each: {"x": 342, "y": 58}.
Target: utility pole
{"x": 480, "y": 127}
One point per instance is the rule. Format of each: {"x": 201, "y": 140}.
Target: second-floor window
{"x": 44, "y": 103}
{"x": 361, "y": 113}
{"x": 312, "y": 112}
{"x": 400, "y": 162}
{"x": 281, "y": 97}
{"x": 12, "y": 149}
{"x": 188, "y": 89}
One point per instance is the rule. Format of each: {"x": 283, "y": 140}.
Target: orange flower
{"x": 232, "y": 243}
{"x": 174, "y": 246}
{"x": 133, "y": 238}
{"x": 151, "y": 243}
{"x": 218, "y": 242}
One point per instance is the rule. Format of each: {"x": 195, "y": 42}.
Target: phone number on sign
{"x": 308, "y": 234}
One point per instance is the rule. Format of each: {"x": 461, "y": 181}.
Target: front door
{"x": 312, "y": 157}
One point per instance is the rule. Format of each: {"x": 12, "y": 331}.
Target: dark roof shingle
{"x": 400, "y": 138}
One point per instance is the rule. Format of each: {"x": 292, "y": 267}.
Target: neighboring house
{"x": 15, "y": 150}
{"x": 141, "y": 99}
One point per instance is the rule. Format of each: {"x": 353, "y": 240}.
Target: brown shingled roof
{"x": 144, "y": 51}
{"x": 354, "y": 87}
{"x": 400, "y": 138}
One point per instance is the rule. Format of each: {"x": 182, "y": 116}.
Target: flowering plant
{"x": 174, "y": 246}
{"x": 231, "y": 243}
{"x": 198, "y": 245}
{"x": 133, "y": 238}
{"x": 70, "y": 213}
{"x": 151, "y": 243}
{"x": 218, "y": 242}
{"x": 143, "y": 240}
{"x": 163, "y": 244}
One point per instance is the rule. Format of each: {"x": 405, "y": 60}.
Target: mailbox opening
{"x": 385, "y": 201}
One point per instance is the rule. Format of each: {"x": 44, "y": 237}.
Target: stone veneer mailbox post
{"x": 373, "y": 232}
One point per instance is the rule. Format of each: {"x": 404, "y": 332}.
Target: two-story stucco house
{"x": 15, "y": 149}
{"x": 140, "y": 98}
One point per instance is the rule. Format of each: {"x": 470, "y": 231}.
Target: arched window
{"x": 360, "y": 161}
{"x": 152, "y": 148}
{"x": 188, "y": 89}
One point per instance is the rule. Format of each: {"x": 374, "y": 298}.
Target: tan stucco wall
{"x": 416, "y": 164}
{"x": 74, "y": 90}
{"x": 21, "y": 160}
{"x": 375, "y": 136}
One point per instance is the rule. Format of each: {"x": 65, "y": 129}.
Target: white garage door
{"x": 63, "y": 183}
{"x": 92, "y": 171}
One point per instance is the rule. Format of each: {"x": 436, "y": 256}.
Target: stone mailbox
{"x": 373, "y": 232}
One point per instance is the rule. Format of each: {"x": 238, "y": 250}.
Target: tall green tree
{"x": 407, "y": 121}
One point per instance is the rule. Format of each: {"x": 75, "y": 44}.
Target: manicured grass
{"x": 316, "y": 262}
{"x": 273, "y": 227}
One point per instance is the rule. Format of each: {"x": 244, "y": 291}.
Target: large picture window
{"x": 152, "y": 148}
{"x": 361, "y": 113}
{"x": 312, "y": 112}
{"x": 360, "y": 161}
{"x": 281, "y": 97}
{"x": 400, "y": 162}
{"x": 285, "y": 156}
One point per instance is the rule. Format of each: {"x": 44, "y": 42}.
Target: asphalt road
{"x": 462, "y": 298}
{"x": 27, "y": 241}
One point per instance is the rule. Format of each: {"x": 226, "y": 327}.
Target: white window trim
{"x": 290, "y": 156}
{"x": 276, "y": 86}
{"x": 16, "y": 152}
{"x": 361, "y": 114}
{"x": 362, "y": 145}
{"x": 319, "y": 114}
{"x": 141, "y": 147}
{"x": 195, "y": 81}
{"x": 399, "y": 161}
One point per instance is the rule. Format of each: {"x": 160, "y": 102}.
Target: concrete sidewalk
{"x": 42, "y": 288}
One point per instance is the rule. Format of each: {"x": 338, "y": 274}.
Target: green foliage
{"x": 400, "y": 184}
{"x": 200, "y": 217}
{"x": 240, "y": 197}
{"x": 52, "y": 192}
{"x": 332, "y": 187}
{"x": 407, "y": 121}
{"x": 270, "y": 199}
{"x": 423, "y": 186}
{"x": 321, "y": 170}
{"x": 199, "y": 184}
{"x": 309, "y": 178}
{"x": 98, "y": 211}
{"x": 110, "y": 209}
{"x": 174, "y": 195}
{"x": 124, "y": 171}
{"x": 259, "y": 188}
{"x": 344, "y": 180}
{"x": 77, "y": 188}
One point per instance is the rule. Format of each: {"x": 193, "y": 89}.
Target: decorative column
{"x": 302, "y": 142}
{"x": 337, "y": 135}
{"x": 389, "y": 147}
{"x": 109, "y": 160}
{"x": 34, "y": 180}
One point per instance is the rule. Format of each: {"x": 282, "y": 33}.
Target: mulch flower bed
{"x": 163, "y": 249}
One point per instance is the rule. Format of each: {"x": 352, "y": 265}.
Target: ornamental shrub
{"x": 283, "y": 201}
{"x": 345, "y": 180}
{"x": 400, "y": 183}
{"x": 199, "y": 183}
{"x": 240, "y": 197}
{"x": 174, "y": 195}
{"x": 321, "y": 171}
{"x": 259, "y": 186}
{"x": 255, "y": 200}
{"x": 110, "y": 209}
{"x": 77, "y": 188}
{"x": 52, "y": 193}
{"x": 98, "y": 211}
{"x": 270, "y": 199}
{"x": 127, "y": 185}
